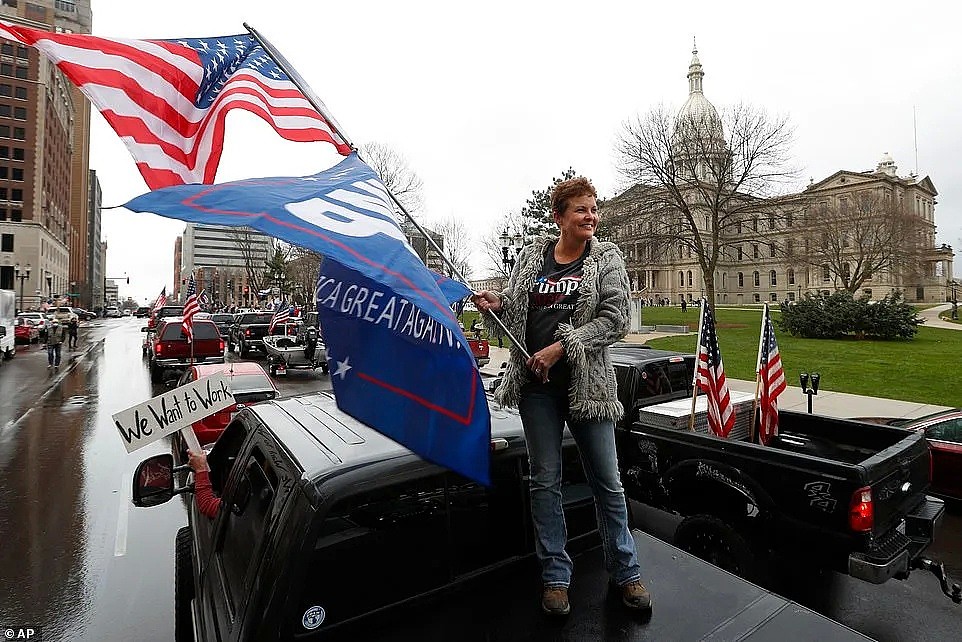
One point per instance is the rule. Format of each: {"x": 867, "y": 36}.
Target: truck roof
{"x": 323, "y": 439}
{"x": 624, "y": 354}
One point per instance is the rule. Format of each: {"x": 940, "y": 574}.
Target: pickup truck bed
{"x": 693, "y": 600}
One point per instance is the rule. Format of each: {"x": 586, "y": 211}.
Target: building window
{"x": 788, "y": 219}
{"x": 22, "y": 73}
{"x": 3, "y": 213}
{"x": 756, "y": 278}
{"x": 826, "y": 274}
{"x": 18, "y": 153}
{"x": 22, "y": 52}
{"x": 6, "y": 243}
{"x": 754, "y": 250}
{"x": 791, "y": 276}
{"x": 771, "y": 250}
{"x": 6, "y": 90}
{"x": 16, "y": 195}
{"x": 773, "y": 279}
{"x": 741, "y": 279}
{"x": 771, "y": 221}
{"x": 738, "y": 226}
{"x": 16, "y": 174}
{"x": 791, "y": 296}
{"x": 20, "y": 113}
{"x": 754, "y": 223}
{"x": 4, "y": 172}
{"x": 741, "y": 253}
{"x": 774, "y": 297}
{"x": 20, "y": 92}
{"x": 756, "y": 298}
{"x": 16, "y": 215}
{"x": 19, "y": 133}
{"x": 681, "y": 279}
{"x": 689, "y": 278}
{"x": 4, "y": 131}
{"x": 6, "y": 49}
{"x": 5, "y": 110}
{"x": 6, "y": 69}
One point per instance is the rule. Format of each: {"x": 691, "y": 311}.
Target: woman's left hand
{"x": 542, "y": 360}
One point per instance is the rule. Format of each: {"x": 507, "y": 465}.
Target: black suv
{"x": 323, "y": 522}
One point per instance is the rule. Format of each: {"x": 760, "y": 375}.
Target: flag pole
{"x": 694, "y": 380}
{"x": 321, "y": 108}
{"x": 758, "y": 376}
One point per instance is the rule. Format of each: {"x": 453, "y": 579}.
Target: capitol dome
{"x": 698, "y": 118}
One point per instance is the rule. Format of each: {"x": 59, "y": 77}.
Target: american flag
{"x": 281, "y": 315}
{"x": 772, "y": 380}
{"x": 168, "y": 99}
{"x": 191, "y": 307}
{"x": 710, "y": 376}
{"x": 161, "y": 300}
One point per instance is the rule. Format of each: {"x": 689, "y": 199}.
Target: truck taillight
{"x": 222, "y": 345}
{"x": 247, "y": 332}
{"x": 158, "y": 348}
{"x": 861, "y": 511}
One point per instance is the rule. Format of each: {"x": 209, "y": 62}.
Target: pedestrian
{"x": 684, "y": 304}
{"x": 72, "y": 326}
{"x": 56, "y": 335}
{"x": 476, "y": 327}
{"x": 207, "y": 503}
{"x": 567, "y": 300}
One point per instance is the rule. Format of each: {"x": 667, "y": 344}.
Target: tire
{"x": 714, "y": 541}
{"x": 183, "y": 586}
{"x": 156, "y": 374}
{"x": 273, "y": 369}
{"x": 242, "y": 349}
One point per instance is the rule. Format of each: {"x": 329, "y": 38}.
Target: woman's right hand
{"x": 485, "y": 300}
{"x": 197, "y": 461}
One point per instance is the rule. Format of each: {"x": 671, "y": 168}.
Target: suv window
{"x": 950, "y": 431}
{"x": 174, "y": 331}
{"x": 248, "y": 319}
{"x": 169, "y": 311}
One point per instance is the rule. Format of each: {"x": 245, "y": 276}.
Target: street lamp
{"x": 49, "y": 281}
{"x": 23, "y": 277}
{"x": 507, "y": 243}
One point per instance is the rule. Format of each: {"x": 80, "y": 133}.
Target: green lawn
{"x": 925, "y": 369}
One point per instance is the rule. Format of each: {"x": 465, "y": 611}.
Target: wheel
{"x": 242, "y": 349}
{"x": 183, "y": 586}
{"x": 156, "y": 374}
{"x": 712, "y": 540}
{"x": 273, "y": 369}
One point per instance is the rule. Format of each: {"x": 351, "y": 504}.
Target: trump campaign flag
{"x": 771, "y": 380}
{"x": 168, "y": 99}
{"x": 398, "y": 357}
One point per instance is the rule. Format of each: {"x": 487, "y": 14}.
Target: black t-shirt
{"x": 551, "y": 302}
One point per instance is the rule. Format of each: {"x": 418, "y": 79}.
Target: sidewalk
{"x": 826, "y": 402}
{"x": 932, "y": 320}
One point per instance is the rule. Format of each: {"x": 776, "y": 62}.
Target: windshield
{"x": 222, "y": 318}
{"x": 202, "y": 330}
{"x": 248, "y": 319}
{"x": 245, "y": 383}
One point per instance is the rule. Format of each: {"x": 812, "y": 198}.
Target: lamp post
{"x": 508, "y": 242}
{"x": 49, "y": 277}
{"x": 123, "y": 278}
{"x": 23, "y": 277}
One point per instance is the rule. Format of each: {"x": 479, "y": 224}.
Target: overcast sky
{"x": 488, "y": 101}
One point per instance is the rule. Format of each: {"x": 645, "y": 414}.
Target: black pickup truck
{"x": 329, "y": 530}
{"x": 248, "y": 332}
{"x": 830, "y": 493}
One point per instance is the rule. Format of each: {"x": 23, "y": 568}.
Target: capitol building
{"x": 829, "y": 236}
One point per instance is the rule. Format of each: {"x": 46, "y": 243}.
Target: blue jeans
{"x": 53, "y": 354}
{"x": 544, "y": 415}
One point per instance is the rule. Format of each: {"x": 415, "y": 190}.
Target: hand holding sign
{"x": 173, "y": 410}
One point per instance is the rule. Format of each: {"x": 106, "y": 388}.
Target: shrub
{"x": 830, "y": 316}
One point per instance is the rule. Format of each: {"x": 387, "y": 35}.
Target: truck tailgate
{"x": 899, "y": 477}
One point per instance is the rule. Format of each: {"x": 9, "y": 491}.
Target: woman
{"x": 567, "y": 301}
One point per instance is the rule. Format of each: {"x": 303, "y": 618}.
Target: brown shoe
{"x": 554, "y": 600}
{"x": 635, "y": 596}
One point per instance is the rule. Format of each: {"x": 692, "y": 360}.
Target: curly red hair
{"x": 571, "y": 188}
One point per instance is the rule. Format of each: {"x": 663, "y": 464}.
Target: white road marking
{"x": 120, "y": 545}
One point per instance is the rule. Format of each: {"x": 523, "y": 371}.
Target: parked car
{"x": 84, "y": 315}
{"x": 40, "y": 320}
{"x": 112, "y": 312}
{"x": 25, "y": 331}
{"x": 63, "y": 314}
{"x": 128, "y": 312}
{"x": 171, "y": 351}
{"x": 943, "y": 430}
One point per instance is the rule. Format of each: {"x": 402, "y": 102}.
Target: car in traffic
{"x": 248, "y": 332}
{"x": 142, "y": 311}
{"x": 39, "y": 320}
{"x": 25, "y": 331}
{"x": 170, "y": 349}
{"x": 84, "y": 315}
{"x": 943, "y": 431}
{"x": 248, "y": 383}
{"x": 113, "y": 312}
{"x": 223, "y": 321}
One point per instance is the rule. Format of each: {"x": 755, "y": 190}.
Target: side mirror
{"x": 154, "y": 481}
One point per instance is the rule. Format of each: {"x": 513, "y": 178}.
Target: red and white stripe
{"x": 710, "y": 377}
{"x": 772, "y": 381}
{"x": 146, "y": 90}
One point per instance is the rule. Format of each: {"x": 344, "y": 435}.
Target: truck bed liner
{"x": 693, "y": 600}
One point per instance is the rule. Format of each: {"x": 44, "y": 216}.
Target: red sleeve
{"x": 207, "y": 503}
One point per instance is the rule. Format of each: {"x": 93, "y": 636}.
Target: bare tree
{"x": 493, "y": 247}
{"x": 696, "y": 180}
{"x": 250, "y": 243}
{"x": 457, "y": 245}
{"x": 396, "y": 175}
{"x": 861, "y": 234}
{"x": 303, "y": 268}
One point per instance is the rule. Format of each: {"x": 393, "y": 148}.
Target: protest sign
{"x": 167, "y": 413}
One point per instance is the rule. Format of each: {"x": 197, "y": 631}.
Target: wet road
{"x": 79, "y": 560}
{"x": 76, "y": 557}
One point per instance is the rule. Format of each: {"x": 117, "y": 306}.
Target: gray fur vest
{"x": 601, "y": 317}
